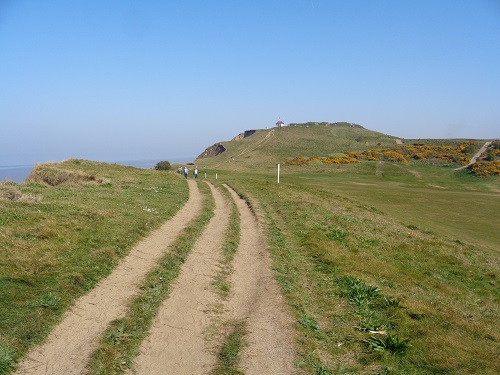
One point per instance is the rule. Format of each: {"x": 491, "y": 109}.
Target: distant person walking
{"x": 179, "y": 170}
{"x": 195, "y": 173}
{"x": 186, "y": 171}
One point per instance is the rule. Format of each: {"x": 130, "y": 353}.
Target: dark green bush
{"x": 470, "y": 149}
{"x": 163, "y": 166}
{"x": 490, "y": 155}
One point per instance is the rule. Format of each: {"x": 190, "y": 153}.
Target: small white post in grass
{"x": 278, "y": 173}
{"x": 216, "y": 176}
{"x": 205, "y": 174}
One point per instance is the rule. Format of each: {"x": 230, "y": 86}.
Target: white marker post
{"x": 216, "y": 176}
{"x": 278, "y": 173}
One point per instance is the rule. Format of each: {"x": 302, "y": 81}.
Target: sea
{"x": 19, "y": 173}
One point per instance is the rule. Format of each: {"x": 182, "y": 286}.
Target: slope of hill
{"x": 417, "y": 231}
{"x": 272, "y": 146}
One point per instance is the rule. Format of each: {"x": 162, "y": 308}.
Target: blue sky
{"x": 114, "y": 80}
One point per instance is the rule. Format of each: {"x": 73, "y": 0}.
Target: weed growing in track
{"x": 229, "y": 354}
{"x": 231, "y": 240}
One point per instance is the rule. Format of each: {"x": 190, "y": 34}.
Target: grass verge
{"x": 372, "y": 294}
{"x": 121, "y": 341}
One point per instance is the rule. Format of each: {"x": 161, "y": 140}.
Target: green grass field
{"x": 386, "y": 267}
{"x": 428, "y": 242}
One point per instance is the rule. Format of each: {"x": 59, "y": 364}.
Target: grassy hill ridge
{"x": 420, "y": 235}
{"x": 268, "y": 147}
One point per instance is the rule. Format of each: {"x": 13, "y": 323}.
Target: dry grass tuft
{"x": 9, "y": 192}
{"x": 52, "y": 175}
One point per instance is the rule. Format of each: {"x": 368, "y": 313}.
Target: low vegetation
{"x": 228, "y": 356}
{"x": 10, "y": 193}
{"x": 378, "y": 293}
{"x": 54, "y": 174}
{"x": 221, "y": 281}
{"x": 57, "y": 240}
{"x": 459, "y": 155}
{"x": 230, "y": 334}
{"x": 390, "y": 260}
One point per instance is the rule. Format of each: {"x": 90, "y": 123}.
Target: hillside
{"x": 268, "y": 147}
{"x": 385, "y": 267}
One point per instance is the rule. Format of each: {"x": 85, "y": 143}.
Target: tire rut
{"x": 69, "y": 346}
{"x": 256, "y": 299}
{"x": 182, "y": 340}
{"x": 177, "y": 342}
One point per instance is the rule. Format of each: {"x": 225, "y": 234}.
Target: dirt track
{"x": 178, "y": 341}
{"x": 476, "y": 156}
{"x": 256, "y": 298}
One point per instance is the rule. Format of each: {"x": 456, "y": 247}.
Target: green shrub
{"x": 357, "y": 292}
{"x": 163, "y": 166}
{"x": 470, "y": 149}
{"x": 392, "y": 344}
{"x": 490, "y": 155}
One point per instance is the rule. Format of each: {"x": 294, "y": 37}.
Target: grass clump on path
{"x": 231, "y": 240}
{"x": 232, "y": 332}
{"x": 123, "y": 338}
{"x": 228, "y": 357}
{"x": 55, "y": 248}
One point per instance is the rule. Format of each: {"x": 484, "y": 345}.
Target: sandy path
{"x": 476, "y": 156}
{"x": 69, "y": 346}
{"x": 176, "y": 344}
{"x": 256, "y": 298}
{"x": 178, "y": 341}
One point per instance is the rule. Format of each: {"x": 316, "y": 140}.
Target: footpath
{"x": 180, "y": 341}
{"x": 475, "y": 157}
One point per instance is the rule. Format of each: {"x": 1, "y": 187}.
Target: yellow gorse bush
{"x": 486, "y": 169}
{"x": 399, "y": 155}
{"x": 298, "y": 161}
{"x": 449, "y": 153}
